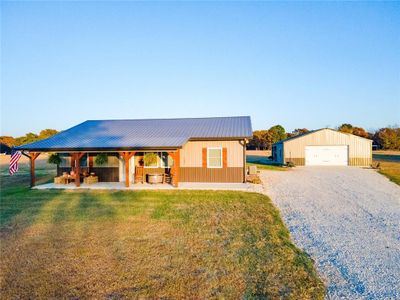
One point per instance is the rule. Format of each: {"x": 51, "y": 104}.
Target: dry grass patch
{"x": 390, "y": 169}
{"x": 150, "y": 244}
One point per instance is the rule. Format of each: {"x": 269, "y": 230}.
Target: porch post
{"x": 127, "y": 156}
{"x": 176, "y": 167}
{"x": 32, "y": 158}
{"x": 76, "y": 157}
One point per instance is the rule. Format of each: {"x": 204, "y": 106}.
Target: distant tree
{"x": 259, "y": 141}
{"x": 276, "y": 134}
{"x": 8, "y": 140}
{"x": 46, "y": 133}
{"x": 347, "y": 128}
{"x": 26, "y": 139}
{"x": 360, "y": 132}
{"x": 299, "y": 131}
{"x": 388, "y": 138}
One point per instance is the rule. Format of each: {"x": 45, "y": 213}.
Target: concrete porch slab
{"x": 247, "y": 187}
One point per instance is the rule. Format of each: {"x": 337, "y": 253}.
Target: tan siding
{"x": 211, "y": 175}
{"x": 360, "y": 150}
{"x": 191, "y": 153}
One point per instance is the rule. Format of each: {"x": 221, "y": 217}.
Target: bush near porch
{"x": 150, "y": 244}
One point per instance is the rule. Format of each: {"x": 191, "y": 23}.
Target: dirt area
{"x": 387, "y": 152}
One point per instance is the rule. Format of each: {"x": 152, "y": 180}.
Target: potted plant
{"x": 101, "y": 159}
{"x": 54, "y": 158}
{"x": 150, "y": 159}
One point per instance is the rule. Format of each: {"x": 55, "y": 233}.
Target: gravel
{"x": 348, "y": 220}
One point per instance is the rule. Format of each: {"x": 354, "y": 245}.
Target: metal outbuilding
{"x": 324, "y": 147}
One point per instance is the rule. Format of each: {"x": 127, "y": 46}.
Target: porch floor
{"x": 145, "y": 186}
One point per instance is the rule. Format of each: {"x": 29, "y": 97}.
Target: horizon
{"x": 287, "y": 131}
{"x": 300, "y": 65}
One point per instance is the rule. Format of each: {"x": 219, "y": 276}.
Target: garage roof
{"x": 143, "y": 133}
{"x": 313, "y": 131}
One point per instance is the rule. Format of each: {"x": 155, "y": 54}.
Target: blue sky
{"x": 297, "y": 64}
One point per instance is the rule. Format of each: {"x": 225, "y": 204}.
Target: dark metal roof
{"x": 142, "y": 134}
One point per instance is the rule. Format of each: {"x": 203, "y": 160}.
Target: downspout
{"x": 244, "y": 159}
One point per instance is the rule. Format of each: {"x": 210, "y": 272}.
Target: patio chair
{"x": 139, "y": 174}
{"x": 72, "y": 176}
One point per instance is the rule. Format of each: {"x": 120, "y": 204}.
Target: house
{"x": 324, "y": 147}
{"x": 185, "y": 150}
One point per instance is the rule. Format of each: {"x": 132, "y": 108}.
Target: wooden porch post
{"x": 176, "y": 167}
{"x": 76, "y": 157}
{"x": 32, "y": 158}
{"x": 127, "y": 156}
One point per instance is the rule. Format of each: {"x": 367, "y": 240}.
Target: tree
{"x": 276, "y": 133}
{"x": 259, "y": 141}
{"x": 46, "y": 133}
{"x": 299, "y": 131}
{"x": 8, "y": 140}
{"x": 388, "y": 138}
{"x": 360, "y": 132}
{"x": 26, "y": 139}
{"x": 347, "y": 128}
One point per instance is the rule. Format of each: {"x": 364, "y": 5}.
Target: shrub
{"x": 101, "y": 159}
{"x": 290, "y": 164}
{"x": 375, "y": 165}
{"x": 254, "y": 179}
{"x": 54, "y": 158}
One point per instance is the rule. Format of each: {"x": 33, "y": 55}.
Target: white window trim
{"x": 208, "y": 155}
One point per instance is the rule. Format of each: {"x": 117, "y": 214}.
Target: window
{"x": 214, "y": 157}
{"x": 65, "y": 160}
{"x": 84, "y": 162}
{"x": 112, "y": 162}
{"x": 166, "y": 160}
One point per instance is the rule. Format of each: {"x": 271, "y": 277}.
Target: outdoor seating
{"x": 91, "y": 179}
{"x": 72, "y": 176}
{"x": 59, "y": 180}
{"x": 139, "y": 174}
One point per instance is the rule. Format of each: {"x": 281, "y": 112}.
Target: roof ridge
{"x": 153, "y": 119}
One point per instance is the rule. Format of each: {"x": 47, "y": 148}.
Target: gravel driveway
{"x": 348, "y": 220}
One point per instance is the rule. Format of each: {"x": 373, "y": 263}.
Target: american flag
{"x": 15, "y": 156}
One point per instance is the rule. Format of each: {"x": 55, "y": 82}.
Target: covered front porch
{"x": 118, "y": 168}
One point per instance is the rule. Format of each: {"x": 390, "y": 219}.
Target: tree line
{"x": 387, "y": 138}
{"x": 384, "y": 138}
{"x": 27, "y": 138}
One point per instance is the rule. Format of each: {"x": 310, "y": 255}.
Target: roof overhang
{"x": 99, "y": 149}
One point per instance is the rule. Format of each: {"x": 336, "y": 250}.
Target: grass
{"x": 261, "y": 166}
{"x": 147, "y": 244}
{"x": 263, "y": 163}
{"x": 390, "y": 169}
{"x": 389, "y": 164}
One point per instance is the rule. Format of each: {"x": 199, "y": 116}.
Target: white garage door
{"x": 326, "y": 155}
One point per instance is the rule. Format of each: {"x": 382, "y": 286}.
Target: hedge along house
{"x": 189, "y": 150}
{"x": 324, "y": 147}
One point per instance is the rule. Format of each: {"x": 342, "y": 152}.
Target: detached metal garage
{"x": 324, "y": 147}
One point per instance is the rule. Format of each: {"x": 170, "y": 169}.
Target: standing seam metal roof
{"x": 144, "y": 133}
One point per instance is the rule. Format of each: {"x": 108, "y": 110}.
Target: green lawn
{"x": 390, "y": 169}
{"x": 263, "y": 163}
{"x": 268, "y": 167}
{"x": 389, "y": 163}
{"x": 148, "y": 244}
